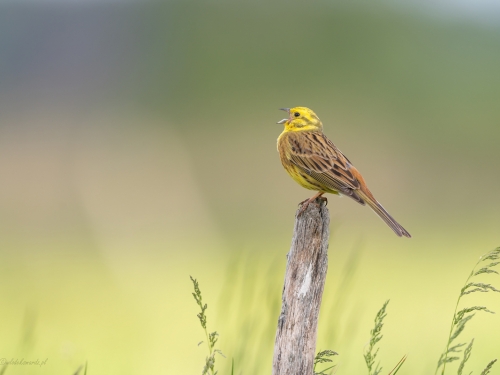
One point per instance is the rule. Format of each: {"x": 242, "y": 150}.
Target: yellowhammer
{"x": 312, "y": 160}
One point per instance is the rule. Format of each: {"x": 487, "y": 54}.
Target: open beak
{"x": 285, "y": 119}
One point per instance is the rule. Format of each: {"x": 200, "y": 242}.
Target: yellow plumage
{"x": 312, "y": 160}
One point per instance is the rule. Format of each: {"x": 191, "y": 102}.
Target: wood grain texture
{"x": 305, "y": 275}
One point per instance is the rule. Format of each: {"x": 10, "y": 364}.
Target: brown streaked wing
{"x": 317, "y": 156}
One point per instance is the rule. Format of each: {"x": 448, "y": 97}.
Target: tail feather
{"x": 384, "y": 215}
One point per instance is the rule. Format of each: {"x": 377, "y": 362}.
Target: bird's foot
{"x": 304, "y": 204}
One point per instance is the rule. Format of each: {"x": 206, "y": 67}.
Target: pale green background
{"x": 137, "y": 147}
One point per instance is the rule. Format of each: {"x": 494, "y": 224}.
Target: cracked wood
{"x": 305, "y": 275}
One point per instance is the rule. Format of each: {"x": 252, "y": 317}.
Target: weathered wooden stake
{"x": 295, "y": 345}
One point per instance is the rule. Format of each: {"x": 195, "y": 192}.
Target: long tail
{"x": 383, "y": 214}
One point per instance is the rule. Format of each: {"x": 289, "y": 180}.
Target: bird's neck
{"x": 305, "y": 128}
{"x": 288, "y": 131}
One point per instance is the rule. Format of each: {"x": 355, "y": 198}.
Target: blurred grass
{"x": 137, "y": 147}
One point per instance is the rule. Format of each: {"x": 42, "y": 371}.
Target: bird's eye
{"x": 296, "y": 114}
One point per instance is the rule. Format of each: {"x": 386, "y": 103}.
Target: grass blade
{"x": 398, "y": 366}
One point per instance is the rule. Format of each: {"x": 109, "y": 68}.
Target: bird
{"x": 315, "y": 163}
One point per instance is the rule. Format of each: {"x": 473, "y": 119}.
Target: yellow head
{"x": 300, "y": 119}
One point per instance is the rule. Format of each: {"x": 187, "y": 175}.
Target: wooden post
{"x": 307, "y": 263}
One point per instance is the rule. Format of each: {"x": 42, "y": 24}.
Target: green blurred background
{"x": 137, "y": 147}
